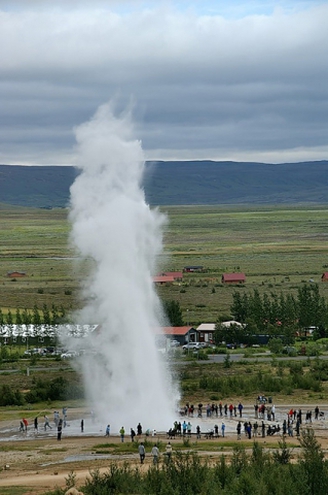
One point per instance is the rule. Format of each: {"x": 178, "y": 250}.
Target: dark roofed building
{"x": 193, "y": 268}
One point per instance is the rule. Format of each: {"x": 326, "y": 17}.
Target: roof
{"x": 159, "y": 279}
{"x": 233, "y": 276}
{"x": 176, "y": 330}
{"x": 193, "y": 267}
{"x": 171, "y": 274}
{"x": 206, "y": 327}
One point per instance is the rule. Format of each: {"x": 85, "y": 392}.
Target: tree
{"x": 312, "y": 308}
{"x": 173, "y": 312}
{"x": 239, "y": 307}
{"x": 313, "y": 463}
{"x": 275, "y": 345}
{"x": 26, "y": 317}
{"x": 19, "y": 319}
{"x": 284, "y": 454}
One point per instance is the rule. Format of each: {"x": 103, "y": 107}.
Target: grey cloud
{"x": 200, "y": 83}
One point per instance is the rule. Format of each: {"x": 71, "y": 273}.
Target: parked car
{"x": 191, "y": 346}
{"x": 69, "y": 355}
{"x": 36, "y": 350}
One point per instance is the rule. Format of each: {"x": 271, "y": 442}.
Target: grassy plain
{"x": 278, "y": 248}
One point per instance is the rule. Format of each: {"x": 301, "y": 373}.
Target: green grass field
{"x": 278, "y": 248}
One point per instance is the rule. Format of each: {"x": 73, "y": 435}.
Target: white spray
{"x": 126, "y": 380}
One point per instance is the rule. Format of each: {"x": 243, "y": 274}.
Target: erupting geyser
{"x": 126, "y": 380}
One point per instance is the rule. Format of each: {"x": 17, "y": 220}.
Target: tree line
{"x": 35, "y": 316}
{"x": 276, "y": 315}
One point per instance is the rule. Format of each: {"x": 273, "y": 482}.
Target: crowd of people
{"x": 266, "y": 423}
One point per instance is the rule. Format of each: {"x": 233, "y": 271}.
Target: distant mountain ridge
{"x": 180, "y": 183}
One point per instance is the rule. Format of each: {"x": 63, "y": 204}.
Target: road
{"x": 220, "y": 358}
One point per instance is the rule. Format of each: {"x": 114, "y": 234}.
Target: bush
{"x": 10, "y": 397}
{"x": 43, "y": 390}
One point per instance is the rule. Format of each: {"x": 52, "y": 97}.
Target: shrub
{"x": 10, "y": 397}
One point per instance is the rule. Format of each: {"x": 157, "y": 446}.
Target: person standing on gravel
{"x": 122, "y": 433}
{"x": 46, "y": 423}
{"x": 168, "y": 451}
{"x": 222, "y": 429}
{"x": 59, "y": 429}
{"x": 155, "y": 454}
{"x": 142, "y": 452}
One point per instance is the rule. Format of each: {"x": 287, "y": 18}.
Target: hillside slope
{"x": 180, "y": 183}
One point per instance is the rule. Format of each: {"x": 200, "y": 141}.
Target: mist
{"x": 126, "y": 379}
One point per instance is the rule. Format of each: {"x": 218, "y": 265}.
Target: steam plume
{"x": 126, "y": 381}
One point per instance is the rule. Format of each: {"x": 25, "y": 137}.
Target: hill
{"x": 180, "y": 183}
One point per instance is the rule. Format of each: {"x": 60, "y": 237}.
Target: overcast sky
{"x": 237, "y": 80}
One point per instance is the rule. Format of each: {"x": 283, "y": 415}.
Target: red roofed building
{"x": 181, "y": 334}
{"x": 16, "y": 274}
{"x": 163, "y": 279}
{"x": 166, "y": 277}
{"x": 233, "y": 278}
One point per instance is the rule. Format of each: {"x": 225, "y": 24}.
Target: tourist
{"x": 222, "y": 429}
{"x": 155, "y": 454}
{"x": 284, "y": 427}
{"x": 168, "y": 451}
{"x": 139, "y": 429}
{"x": 132, "y": 434}
{"x": 297, "y": 427}
{"x": 107, "y": 431}
{"x": 36, "y": 424}
{"x": 290, "y": 430}
{"x": 46, "y": 423}
{"x": 273, "y": 412}
{"x": 56, "y": 418}
{"x": 238, "y": 430}
{"x": 82, "y": 425}
{"x": 122, "y": 433}
{"x": 59, "y": 429}
{"x": 64, "y": 417}
{"x": 142, "y": 452}
{"x": 25, "y": 424}
{"x": 316, "y": 412}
